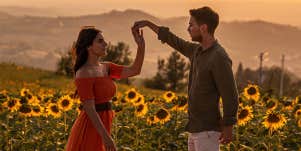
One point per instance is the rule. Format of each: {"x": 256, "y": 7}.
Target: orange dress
{"x": 84, "y": 136}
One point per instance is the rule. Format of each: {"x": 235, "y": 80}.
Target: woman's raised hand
{"x": 138, "y": 36}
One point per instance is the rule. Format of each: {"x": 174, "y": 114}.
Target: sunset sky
{"x": 278, "y": 11}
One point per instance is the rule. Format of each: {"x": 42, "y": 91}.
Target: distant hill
{"x": 39, "y": 41}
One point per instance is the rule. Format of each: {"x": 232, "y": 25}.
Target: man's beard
{"x": 198, "y": 38}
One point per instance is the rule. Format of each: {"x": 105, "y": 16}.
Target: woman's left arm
{"x": 135, "y": 68}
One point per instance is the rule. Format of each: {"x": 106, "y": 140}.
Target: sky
{"x": 278, "y": 11}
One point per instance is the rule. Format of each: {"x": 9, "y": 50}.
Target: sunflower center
{"x": 37, "y": 110}
{"x": 273, "y": 118}
{"x": 270, "y": 104}
{"x": 12, "y": 103}
{"x": 152, "y": 118}
{"x": 29, "y": 96}
{"x": 25, "y": 109}
{"x": 243, "y": 114}
{"x": 65, "y": 103}
{"x": 252, "y": 91}
{"x": 131, "y": 95}
{"x": 54, "y": 109}
{"x": 138, "y": 100}
{"x": 266, "y": 98}
{"x": 23, "y": 100}
{"x": 114, "y": 99}
{"x": 287, "y": 103}
{"x": 39, "y": 98}
{"x": 140, "y": 108}
{"x": 169, "y": 95}
{"x": 162, "y": 114}
{"x": 2, "y": 96}
{"x": 182, "y": 102}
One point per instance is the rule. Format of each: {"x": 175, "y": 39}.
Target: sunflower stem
{"x": 65, "y": 125}
{"x": 175, "y": 129}
{"x": 237, "y": 137}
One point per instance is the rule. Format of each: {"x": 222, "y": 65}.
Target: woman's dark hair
{"x": 85, "y": 39}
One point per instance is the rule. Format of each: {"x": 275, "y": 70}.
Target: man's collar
{"x": 214, "y": 44}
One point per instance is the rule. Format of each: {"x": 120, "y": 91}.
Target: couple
{"x": 210, "y": 78}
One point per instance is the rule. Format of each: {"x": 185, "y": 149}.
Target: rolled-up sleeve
{"x": 225, "y": 83}
{"x": 184, "y": 47}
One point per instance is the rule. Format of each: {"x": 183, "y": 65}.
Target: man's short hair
{"x": 206, "y": 15}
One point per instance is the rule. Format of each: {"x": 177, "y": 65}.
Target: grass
{"x": 13, "y": 77}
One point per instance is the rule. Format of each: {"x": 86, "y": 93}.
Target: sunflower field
{"x": 34, "y": 117}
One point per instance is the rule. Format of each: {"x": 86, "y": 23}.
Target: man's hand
{"x": 226, "y": 135}
{"x": 141, "y": 24}
{"x": 144, "y": 23}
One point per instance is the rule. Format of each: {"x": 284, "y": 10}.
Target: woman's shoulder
{"x": 92, "y": 72}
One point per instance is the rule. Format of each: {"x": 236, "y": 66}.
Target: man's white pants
{"x": 204, "y": 141}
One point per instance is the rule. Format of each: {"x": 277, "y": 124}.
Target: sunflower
{"x": 252, "y": 92}
{"x": 65, "y": 103}
{"x": 245, "y": 115}
{"x": 288, "y": 105}
{"x": 299, "y": 123}
{"x": 140, "y": 100}
{"x": 298, "y": 114}
{"x": 141, "y": 110}
{"x": 169, "y": 96}
{"x": 297, "y": 101}
{"x": 48, "y": 98}
{"x": 181, "y": 103}
{"x": 79, "y": 109}
{"x": 123, "y": 100}
{"x": 114, "y": 99}
{"x": 150, "y": 120}
{"x": 131, "y": 95}
{"x": 162, "y": 116}
{"x": 37, "y": 110}
{"x": 24, "y": 92}
{"x": 34, "y": 101}
{"x": 29, "y": 96}
{"x": 274, "y": 121}
{"x": 13, "y": 104}
{"x": 25, "y": 110}
{"x": 151, "y": 100}
{"x": 53, "y": 109}
{"x": 265, "y": 98}
{"x": 3, "y": 95}
{"x": 118, "y": 108}
{"x": 271, "y": 104}
{"x": 41, "y": 97}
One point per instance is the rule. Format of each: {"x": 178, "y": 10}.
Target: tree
{"x": 158, "y": 81}
{"x": 175, "y": 72}
{"x": 65, "y": 66}
{"x": 239, "y": 76}
{"x": 118, "y": 54}
{"x": 170, "y": 76}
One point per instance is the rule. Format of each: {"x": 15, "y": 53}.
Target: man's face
{"x": 195, "y": 30}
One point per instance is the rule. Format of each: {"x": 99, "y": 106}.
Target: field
{"x": 37, "y": 110}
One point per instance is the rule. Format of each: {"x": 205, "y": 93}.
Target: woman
{"x": 93, "y": 80}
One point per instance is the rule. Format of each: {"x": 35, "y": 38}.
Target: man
{"x": 210, "y": 78}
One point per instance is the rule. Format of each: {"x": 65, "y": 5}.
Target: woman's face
{"x": 98, "y": 46}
